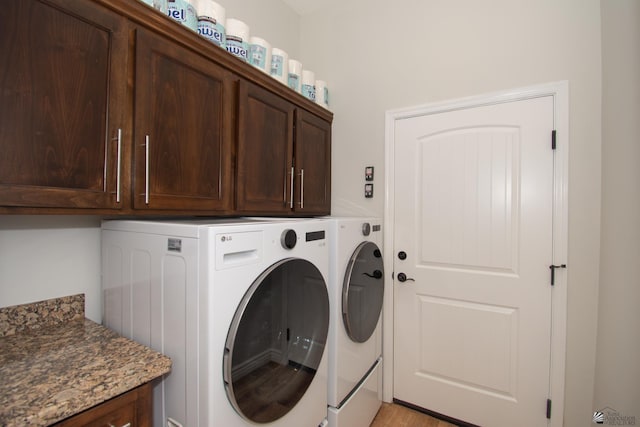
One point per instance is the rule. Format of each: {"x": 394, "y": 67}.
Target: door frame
{"x": 560, "y": 92}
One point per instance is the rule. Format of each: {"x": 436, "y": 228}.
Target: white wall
{"x": 617, "y": 368}
{"x": 379, "y": 55}
{"x": 43, "y": 257}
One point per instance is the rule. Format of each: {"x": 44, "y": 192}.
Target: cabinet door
{"x": 120, "y": 417}
{"x": 265, "y": 152}
{"x": 62, "y": 93}
{"x": 184, "y": 108}
{"x": 133, "y": 408}
{"x": 312, "y": 155}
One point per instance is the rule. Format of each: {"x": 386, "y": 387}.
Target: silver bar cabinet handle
{"x": 146, "y": 169}
{"x": 284, "y": 189}
{"x": 119, "y": 165}
{"x": 291, "y": 202}
{"x": 301, "y": 188}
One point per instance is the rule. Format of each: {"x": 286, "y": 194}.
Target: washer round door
{"x": 363, "y": 292}
{"x": 276, "y": 340}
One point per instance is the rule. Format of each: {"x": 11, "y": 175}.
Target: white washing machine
{"x": 240, "y": 306}
{"x": 356, "y": 290}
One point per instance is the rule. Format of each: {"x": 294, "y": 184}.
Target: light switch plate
{"x": 368, "y": 173}
{"x": 368, "y": 191}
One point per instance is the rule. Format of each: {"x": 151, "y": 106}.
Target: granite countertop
{"x": 54, "y": 369}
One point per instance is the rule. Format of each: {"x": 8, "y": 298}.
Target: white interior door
{"x": 473, "y": 203}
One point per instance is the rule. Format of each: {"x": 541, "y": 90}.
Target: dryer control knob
{"x": 289, "y": 239}
{"x": 366, "y": 229}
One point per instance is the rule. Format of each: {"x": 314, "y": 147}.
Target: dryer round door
{"x": 276, "y": 340}
{"x": 363, "y": 291}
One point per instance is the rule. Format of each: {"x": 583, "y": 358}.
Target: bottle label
{"x": 258, "y": 56}
{"x": 294, "y": 82}
{"x": 183, "y": 12}
{"x": 212, "y": 31}
{"x": 237, "y": 47}
{"x": 276, "y": 65}
{"x": 309, "y": 91}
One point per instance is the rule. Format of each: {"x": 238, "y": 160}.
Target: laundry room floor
{"x": 393, "y": 415}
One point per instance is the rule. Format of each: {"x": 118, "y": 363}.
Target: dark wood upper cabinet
{"x": 109, "y": 107}
{"x": 284, "y": 156}
{"x": 62, "y": 81}
{"x": 183, "y": 134}
{"x": 265, "y": 151}
{"x": 313, "y": 164}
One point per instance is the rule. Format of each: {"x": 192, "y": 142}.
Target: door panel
{"x": 183, "y": 160}
{"x": 473, "y": 211}
{"x": 62, "y": 88}
{"x": 265, "y": 151}
{"x": 465, "y": 353}
{"x": 313, "y": 164}
{"x": 468, "y": 218}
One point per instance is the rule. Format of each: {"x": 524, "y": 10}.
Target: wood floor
{"x": 393, "y": 415}
{"x": 269, "y": 392}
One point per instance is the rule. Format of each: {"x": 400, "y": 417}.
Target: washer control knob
{"x": 366, "y": 229}
{"x": 289, "y": 239}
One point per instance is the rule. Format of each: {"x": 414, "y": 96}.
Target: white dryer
{"x": 240, "y": 306}
{"x": 356, "y": 290}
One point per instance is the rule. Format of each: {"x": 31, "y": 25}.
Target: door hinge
{"x": 553, "y": 139}
{"x": 548, "y": 409}
{"x": 553, "y": 272}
